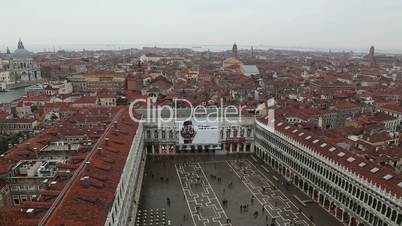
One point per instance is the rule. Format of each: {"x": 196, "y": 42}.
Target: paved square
{"x": 209, "y": 190}
{"x": 274, "y": 201}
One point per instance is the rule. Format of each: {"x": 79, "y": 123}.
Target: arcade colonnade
{"x": 349, "y": 201}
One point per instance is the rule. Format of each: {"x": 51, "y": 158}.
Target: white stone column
{"x": 342, "y": 215}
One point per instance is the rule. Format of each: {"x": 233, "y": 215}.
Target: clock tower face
{"x": 188, "y": 132}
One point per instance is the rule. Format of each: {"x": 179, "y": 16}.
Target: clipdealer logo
{"x": 163, "y": 114}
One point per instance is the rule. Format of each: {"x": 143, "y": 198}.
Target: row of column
{"x": 322, "y": 199}
{"x": 237, "y": 149}
{"x": 233, "y": 148}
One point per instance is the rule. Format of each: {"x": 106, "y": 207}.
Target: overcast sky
{"x": 291, "y": 23}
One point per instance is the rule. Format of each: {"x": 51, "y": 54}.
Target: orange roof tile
{"x": 377, "y": 178}
{"x": 91, "y": 202}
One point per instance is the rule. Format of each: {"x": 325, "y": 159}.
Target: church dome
{"x": 21, "y": 52}
{"x": 232, "y": 61}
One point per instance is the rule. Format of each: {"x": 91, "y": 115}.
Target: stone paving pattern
{"x": 204, "y": 206}
{"x": 162, "y": 180}
{"x": 274, "y": 201}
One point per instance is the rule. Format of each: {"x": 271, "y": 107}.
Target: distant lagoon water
{"x": 7, "y": 97}
{"x": 195, "y": 47}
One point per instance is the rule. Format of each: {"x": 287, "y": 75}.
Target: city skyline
{"x": 213, "y": 112}
{"x": 311, "y": 24}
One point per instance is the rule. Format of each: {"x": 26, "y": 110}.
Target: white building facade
{"x": 348, "y": 196}
{"x": 22, "y": 67}
{"x": 213, "y": 135}
{"x": 125, "y": 203}
{"x": 5, "y": 79}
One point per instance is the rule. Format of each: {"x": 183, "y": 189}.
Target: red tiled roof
{"x": 9, "y": 216}
{"x": 390, "y": 185}
{"x": 161, "y": 82}
{"x": 51, "y": 193}
{"x": 43, "y": 98}
{"x": 106, "y": 95}
{"x": 92, "y": 202}
{"x": 35, "y": 205}
{"x": 332, "y": 152}
{"x": 105, "y": 73}
{"x": 3, "y": 114}
{"x": 86, "y": 100}
{"x": 381, "y": 117}
{"x": 393, "y": 107}
{"x": 347, "y": 105}
{"x": 28, "y": 222}
{"x": 379, "y": 137}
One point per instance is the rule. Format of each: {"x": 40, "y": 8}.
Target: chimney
{"x": 84, "y": 182}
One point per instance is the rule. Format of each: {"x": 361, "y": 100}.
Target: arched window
{"x": 379, "y": 206}
{"x": 399, "y": 220}
{"x": 393, "y": 217}
{"x": 389, "y": 212}
{"x": 384, "y": 208}
{"x": 235, "y": 132}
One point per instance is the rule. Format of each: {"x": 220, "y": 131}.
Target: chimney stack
{"x": 84, "y": 182}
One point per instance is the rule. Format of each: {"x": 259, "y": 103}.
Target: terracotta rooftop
{"x": 393, "y": 107}
{"x": 346, "y": 105}
{"x": 86, "y": 100}
{"x": 43, "y": 98}
{"x": 359, "y": 166}
{"x": 101, "y": 172}
{"x": 105, "y": 74}
{"x": 381, "y": 117}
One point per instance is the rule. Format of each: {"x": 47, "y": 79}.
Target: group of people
{"x": 164, "y": 179}
{"x": 244, "y": 208}
{"x": 216, "y": 178}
